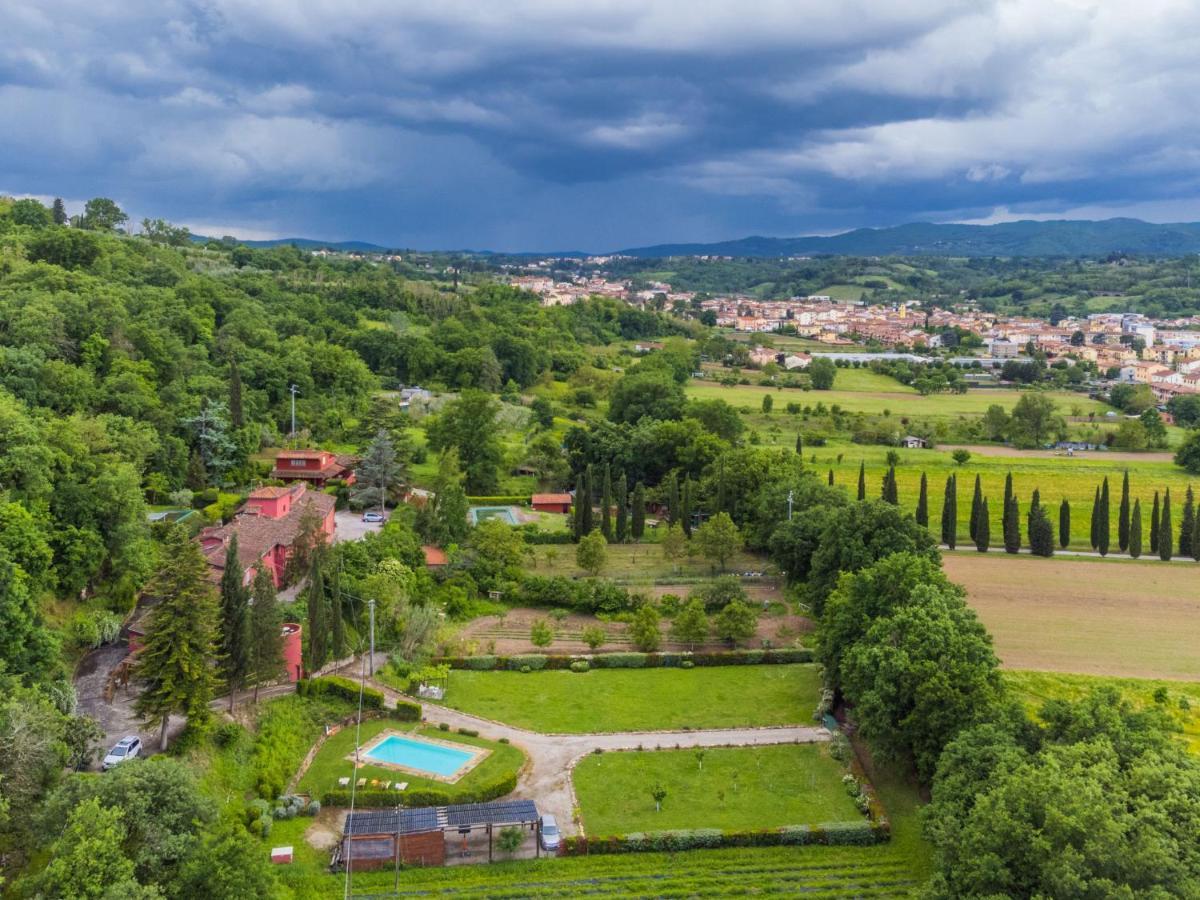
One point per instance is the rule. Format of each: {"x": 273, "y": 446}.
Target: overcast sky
{"x": 573, "y": 124}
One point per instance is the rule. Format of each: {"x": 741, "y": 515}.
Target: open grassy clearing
{"x": 1181, "y": 700}
{"x": 1137, "y": 620}
{"x": 897, "y": 399}
{"x": 639, "y": 699}
{"x": 737, "y": 788}
{"x": 331, "y": 762}
{"x": 638, "y": 563}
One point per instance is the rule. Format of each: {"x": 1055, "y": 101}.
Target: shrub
{"x": 469, "y": 732}
{"x": 503, "y": 740}
{"x": 687, "y": 664}
{"x": 622, "y": 660}
{"x": 580, "y": 665}
{"x": 527, "y": 662}
{"x": 479, "y": 663}
{"x": 423, "y": 796}
{"x": 841, "y": 833}
{"x": 443, "y": 726}
{"x": 313, "y": 808}
{"x": 406, "y": 711}
{"x": 525, "y": 670}
{"x": 227, "y": 733}
{"x": 337, "y": 686}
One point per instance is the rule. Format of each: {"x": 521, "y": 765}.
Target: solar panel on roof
{"x": 411, "y": 821}
{"x": 491, "y": 813}
{"x": 381, "y": 821}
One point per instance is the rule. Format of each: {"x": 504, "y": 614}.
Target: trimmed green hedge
{"x": 536, "y": 661}
{"x": 405, "y": 711}
{"x": 421, "y": 796}
{"x": 501, "y": 500}
{"x": 833, "y": 833}
{"x": 337, "y": 686}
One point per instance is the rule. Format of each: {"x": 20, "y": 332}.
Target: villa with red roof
{"x": 313, "y": 466}
{"x": 267, "y": 527}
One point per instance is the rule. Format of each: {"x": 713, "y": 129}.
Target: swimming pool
{"x": 503, "y": 513}
{"x": 438, "y": 760}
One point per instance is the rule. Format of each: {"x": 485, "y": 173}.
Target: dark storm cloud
{"x": 568, "y": 124}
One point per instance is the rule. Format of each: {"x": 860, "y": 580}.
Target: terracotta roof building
{"x": 267, "y": 527}
{"x": 314, "y": 466}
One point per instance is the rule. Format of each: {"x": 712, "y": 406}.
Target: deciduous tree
{"x": 718, "y": 539}
{"x": 592, "y": 553}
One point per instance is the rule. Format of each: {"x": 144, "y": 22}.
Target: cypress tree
{"x": 1123, "y": 515}
{"x": 318, "y": 627}
{"x": 1165, "y": 537}
{"x": 338, "y": 631}
{"x": 1096, "y": 520}
{"x": 1187, "y": 523}
{"x": 831, "y": 477}
{"x": 606, "y": 499}
{"x": 950, "y": 513}
{"x": 1102, "y": 528}
{"x": 799, "y": 444}
{"x": 588, "y": 519}
{"x": 580, "y": 489}
{"x": 1036, "y": 501}
{"x": 1154, "y": 525}
{"x": 59, "y": 212}
{"x": 890, "y": 493}
{"x": 1064, "y": 524}
{"x": 1135, "y": 530}
{"x": 234, "y": 622}
{"x": 862, "y": 481}
{"x": 1012, "y": 527}
{"x": 721, "y": 499}
{"x": 622, "y": 499}
{"x": 976, "y": 505}
{"x": 685, "y": 506}
{"x": 181, "y": 638}
{"x": 922, "y": 503}
{"x": 1041, "y": 534}
{"x": 266, "y": 638}
{"x": 1196, "y": 537}
{"x": 1008, "y": 495}
{"x": 983, "y": 528}
{"x": 673, "y": 509}
{"x": 637, "y": 524}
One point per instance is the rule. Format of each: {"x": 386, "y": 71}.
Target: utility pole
{"x": 293, "y": 390}
{"x": 371, "y": 607}
{"x": 790, "y": 495}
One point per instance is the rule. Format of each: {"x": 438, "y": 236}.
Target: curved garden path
{"x": 547, "y": 776}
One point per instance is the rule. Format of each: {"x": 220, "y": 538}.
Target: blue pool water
{"x": 419, "y": 755}
{"x": 503, "y": 513}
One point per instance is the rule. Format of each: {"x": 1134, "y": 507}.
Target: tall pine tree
{"x": 685, "y": 506}
{"x": 983, "y": 528}
{"x": 637, "y": 524}
{"x": 1154, "y": 525}
{"x": 1012, "y": 527}
{"x": 673, "y": 510}
{"x": 1187, "y": 523}
{"x": 622, "y": 501}
{"x": 266, "y": 636}
{"x": 976, "y": 504}
{"x": 950, "y": 513}
{"x": 890, "y": 493}
{"x": 1096, "y": 520}
{"x": 862, "y": 481}
{"x": 1103, "y": 530}
{"x": 1008, "y": 495}
{"x": 799, "y": 444}
{"x": 1064, "y": 523}
{"x": 1041, "y": 533}
{"x": 175, "y": 662}
{"x": 588, "y": 521}
{"x": 58, "y": 212}
{"x": 580, "y": 490}
{"x": 922, "y": 501}
{"x": 1123, "y": 515}
{"x": 1135, "y": 530}
{"x": 235, "y": 622}
{"x": 1196, "y": 536}
{"x": 1165, "y": 536}
{"x": 830, "y": 479}
{"x": 337, "y": 630}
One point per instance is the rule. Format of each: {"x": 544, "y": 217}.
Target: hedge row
{"x": 832, "y": 833}
{"x": 536, "y": 661}
{"x": 501, "y": 500}
{"x": 421, "y": 796}
{"x": 337, "y": 686}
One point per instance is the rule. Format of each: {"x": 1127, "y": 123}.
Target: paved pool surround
{"x": 471, "y": 755}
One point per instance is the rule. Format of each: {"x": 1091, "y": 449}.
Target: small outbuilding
{"x": 552, "y": 503}
{"x": 912, "y": 442}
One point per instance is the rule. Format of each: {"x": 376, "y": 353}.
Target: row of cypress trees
{"x": 629, "y": 521}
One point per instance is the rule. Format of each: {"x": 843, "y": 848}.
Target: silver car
{"x": 126, "y": 748}
{"x": 550, "y": 834}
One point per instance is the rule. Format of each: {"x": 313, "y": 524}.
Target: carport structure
{"x": 431, "y": 835}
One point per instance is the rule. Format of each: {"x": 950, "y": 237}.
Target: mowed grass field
{"x": 602, "y": 700}
{"x": 731, "y": 788}
{"x": 892, "y": 396}
{"x": 1085, "y": 616}
{"x": 633, "y": 563}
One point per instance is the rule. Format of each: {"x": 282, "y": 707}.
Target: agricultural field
{"x": 638, "y": 563}
{"x": 1056, "y": 477}
{"x": 1180, "y": 700}
{"x": 897, "y": 399}
{"x": 734, "y": 788}
{"x": 562, "y": 702}
{"x": 1086, "y": 616}
{"x": 332, "y": 763}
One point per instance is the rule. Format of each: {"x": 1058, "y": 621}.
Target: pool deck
{"x": 363, "y": 757}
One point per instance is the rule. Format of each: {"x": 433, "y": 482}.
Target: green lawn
{"x": 736, "y": 788}
{"x": 644, "y": 562}
{"x": 639, "y": 699}
{"x": 331, "y": 762}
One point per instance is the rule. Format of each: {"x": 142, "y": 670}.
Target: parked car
{"x": 550, "y": 834}
{"x": 125, "y": 749}
{"x": 373, "y": 516}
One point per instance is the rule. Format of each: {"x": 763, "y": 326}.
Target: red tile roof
{"x": 258, "y": 534}
{"x": 550, "y": 498}
{"x": 435, "y": 556}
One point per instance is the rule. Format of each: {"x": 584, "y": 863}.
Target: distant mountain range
{"x": 1060, "y": 237}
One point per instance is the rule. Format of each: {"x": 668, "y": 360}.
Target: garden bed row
{"x": 861, "y": 833}
{"x": 537, "y": 661}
